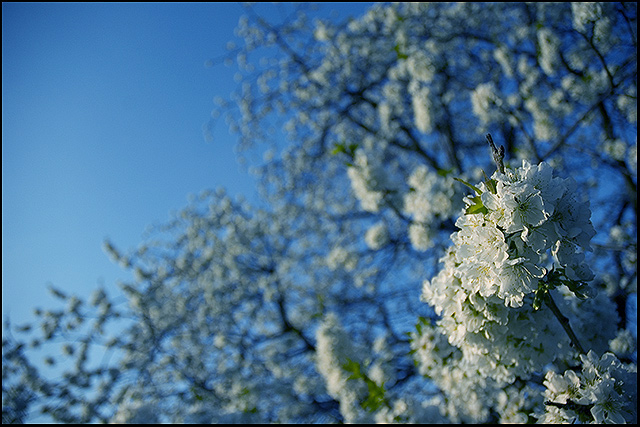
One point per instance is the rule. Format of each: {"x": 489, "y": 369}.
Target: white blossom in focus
{"x": 602, "y": 388}
{"x": 484, "y": 292}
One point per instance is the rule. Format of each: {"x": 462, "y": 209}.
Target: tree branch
{"x": 564, "y": 321}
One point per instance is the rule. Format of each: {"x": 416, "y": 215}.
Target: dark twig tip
{"x": 498, "y": 155}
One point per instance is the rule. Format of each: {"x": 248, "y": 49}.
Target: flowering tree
{"x": 397, "y": 267}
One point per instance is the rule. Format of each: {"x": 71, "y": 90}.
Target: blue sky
{"x": 102, "y": 114}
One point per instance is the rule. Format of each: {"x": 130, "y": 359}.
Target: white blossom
{"x": 377, "y": 236}
{"x": 420, "y": 237}
{"x": 367, "y": 181}
{"x": 623, "y": 344}
{"x": 136, "y": 412}
{"x": 549, "y": 45}
{"x": 485, "y": 103}
{"x": 600, "y": 387}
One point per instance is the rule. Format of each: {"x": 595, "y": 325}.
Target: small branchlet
{"x": 498, "y": 154}
{"x": 564, "y": 322}
{"x": 552, "y": 279}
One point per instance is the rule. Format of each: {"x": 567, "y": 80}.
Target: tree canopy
{"x": 396, "y": 267}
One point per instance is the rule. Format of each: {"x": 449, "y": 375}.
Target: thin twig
{"x": 564, "y": 321}
{"x": 498, "y": 155}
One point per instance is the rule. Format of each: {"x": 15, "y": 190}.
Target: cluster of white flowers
{"x": 490, "y": 331}
{"x": 422, "y": 110}
{"x": 616, "y": 149}
{"x": 420, "y": 236}
{"x": 549, "y": 50}
{"x": 543, "y": 127}
{"x": 602, "y": 392}
{"x": 626, "y": 103}
{"x": 585, "y": 14}
{"x": 623, "y": 345}
{"x": 432, "y": 350}
{"x": 527, "y": 212}
{"x": 412, "y": 410}
{"x": 368, "y": 181}
{"x": 430, "y": 200}
{"x": 377, "y": 236}
{"x": 468, "y": 396}
{"x": 431, "y": 196}
{"x": 522, "y": 219}
{"x": 136, "y": 412}
{"x": 486, "y": 103}
{"x": 334, "y": 348}
{"x": 340, "y": 257}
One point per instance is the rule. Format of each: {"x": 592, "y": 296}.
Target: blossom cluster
{"x": 523, "y": 216}
{"x": 522, "y": 222}
{"x": 352, "y": 387}
{"x": 522, "y": 235}
{"x": 602, "y": 392}
{"x": 468, "y": 397}
{"x": 334, "y": 349}
{"x": 432, "y": 198}
{"x": 368, "y": 181}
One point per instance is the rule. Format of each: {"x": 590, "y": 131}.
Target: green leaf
{"x": 445, "y": 172}
{"x": 473, "y": 187}
{"x": 477, "y": 207}
{"x": 581, "y": 290}
{"x": 490, "y": 183}
{"x": 196, "y": 395}
{"x": 342, "y": 147}
{"x": 354, "y": 369}
{"x": 338, "y": 148}
{"x": 421, "y": 321}
{"x": 375, "y": 398}
{"x": 399, "y": 54}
